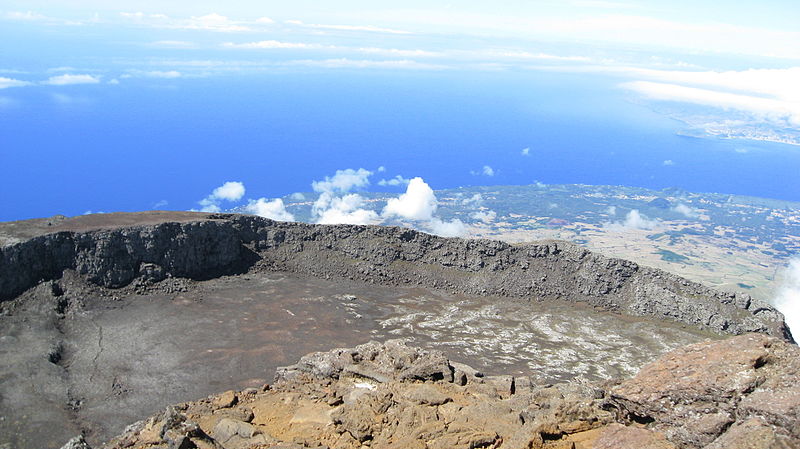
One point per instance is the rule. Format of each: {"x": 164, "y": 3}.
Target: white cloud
{"x": 396, "y": 181}
{"x": 668, "y": 163}
{"x": 172, "y": 44}
{"x": 163, "y": 74}
{"x": 230, "y": 191}
{"x": 473, "y": 201}
{"x": 330, "y": 208}
{"x": 10, "y": 82}
{"x": 780, "y": 83}
{"x": 297, "y": 196}
{"x": 265, "y": 20}
{"x": 345, "y": 63}
{"x": 687, "y": 211}
{"x": 347, "y": 209}
{"x": 602, "y": 4}
{"x": 272, "y": 209}
{"x": 525, "y": 152}
{"x": 418, "y": 203}
{"x": 343, "y": 181}
{"x": 611, "y": 210}
{"x": 26, "y": 16}
{"x": 787, "y": 299}
{"x": 381, "y": 169}
{"x": 160, "y": 204}
{"x": 416, "y": 53}
{"x": 32, "y": 16}
{"x": 142, "y": 16}
{"x": 113, "y": 81}
{"x": 453, "y": 228}
{"x": 633, "y": 220}
{"x": 67, "y": 79}
{"x": 273, "y": 44}
{"x": 214, "y": 22}
{"x": 209, "y": 22}
{"x": 159, "y": 74}
{"x": 771, "y": 95}
{"x": 485, "y": 171}
{"x": 524, "y": 55}
{"x": 367, "y": 28}
{"x": 773, "y": 109}
{"x": 484, "y": 216}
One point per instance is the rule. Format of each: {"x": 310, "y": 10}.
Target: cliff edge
{"x": 113, "y": 250}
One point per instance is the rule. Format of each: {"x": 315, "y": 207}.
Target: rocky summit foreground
{"x": 743, "y": 392}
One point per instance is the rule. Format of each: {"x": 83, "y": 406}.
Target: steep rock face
{"x": 113, "y": 258}
{"x": 388, "y": 395}
{"x": 217, "y": 244}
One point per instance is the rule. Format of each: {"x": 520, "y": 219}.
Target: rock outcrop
{"x": 743, "y": 392}
{"x": 113, "y": 254}
{"x": 731, "y": 393}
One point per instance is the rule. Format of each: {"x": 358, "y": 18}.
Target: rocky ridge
{"x": 743, "y": 392}
{"x": 201, "y": 246}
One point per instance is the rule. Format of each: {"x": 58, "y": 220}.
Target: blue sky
{"x": 725, "y": 69}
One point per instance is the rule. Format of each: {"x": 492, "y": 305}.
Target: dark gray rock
{"x": 225, "y": 244}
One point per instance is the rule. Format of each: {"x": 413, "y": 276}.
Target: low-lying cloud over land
{"x": 335, "y": 205}
{"x": 418, "y": 203}
{"x": 633, "y": 220}
{"x": 787, "y": 299}
{"x": 272, "y": 209}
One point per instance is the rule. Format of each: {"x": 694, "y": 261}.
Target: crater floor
{"x": 116, "y": 357}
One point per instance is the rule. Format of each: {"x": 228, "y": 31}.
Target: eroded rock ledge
{"x": 743, "y": 392}
{"x": 113, "y": 251}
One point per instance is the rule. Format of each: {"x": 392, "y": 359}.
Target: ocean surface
{"x": 166, "y": 144}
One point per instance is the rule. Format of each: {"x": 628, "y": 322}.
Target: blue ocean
{"x": 167, "y": 143}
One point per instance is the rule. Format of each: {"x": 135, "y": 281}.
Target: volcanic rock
{"x": 701, "y": 396}
{"x": 113, "y": 250}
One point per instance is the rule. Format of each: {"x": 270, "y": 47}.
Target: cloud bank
{"x": 336, "y": 205}
{"x": 768, "y": 94}
{"x": 272, "y": 209}
{"x": 787, "y": 299}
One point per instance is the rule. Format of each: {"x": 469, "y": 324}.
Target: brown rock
{"x": 617, "y": 436}
{"x": 225, "y": 400}
{"x": 753, "y": 434}
{"x": 424, "y": 394}
{"x": 693, "y": 394}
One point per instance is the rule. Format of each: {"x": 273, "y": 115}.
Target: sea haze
{"x": 133, "y": 145}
